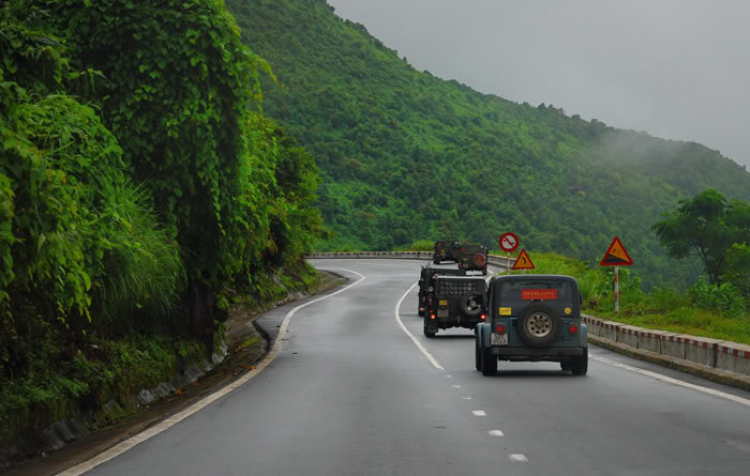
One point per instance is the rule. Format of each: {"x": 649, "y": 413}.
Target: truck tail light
{"x": 573, "y": 328}
{"x": 421, "y": 309}
{"x": 483, "y": 317}
{"x": 500, "y": 328}
{"x": 432, "y": 316}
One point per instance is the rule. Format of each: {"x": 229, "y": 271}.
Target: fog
{"x": 677, "y": 69}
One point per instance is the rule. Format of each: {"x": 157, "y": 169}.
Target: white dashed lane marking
{"x": 496, "y": 433}
{"x": 467, "y": 398}
{"x": 456, "y": 386}
{"x": 519, "y": 458}
{"x": 479, "y": 413}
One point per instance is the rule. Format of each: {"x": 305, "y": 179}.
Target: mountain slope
{"x": 405, "y": 155}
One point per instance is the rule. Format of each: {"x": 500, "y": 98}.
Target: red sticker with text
{"x": 533, "y": 294}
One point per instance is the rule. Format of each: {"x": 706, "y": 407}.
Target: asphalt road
{"x": 350, "y": 393}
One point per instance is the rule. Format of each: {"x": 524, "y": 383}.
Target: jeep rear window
{"x": 512, "y": 293}
{"x": 462, "y": 286}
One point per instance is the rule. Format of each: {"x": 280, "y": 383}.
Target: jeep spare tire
{"x": 539, "y": 325}
{"x": 479, "y": 260}
{"x": 471, "y": 304}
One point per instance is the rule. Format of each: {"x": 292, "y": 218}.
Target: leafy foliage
{"x": 140, "y": 185}
{"x": 725, "y": 299}
{"x": 68, "y": 210}
{"x": 406, "y": 156}
{"x": 706, "y": 225}
{"x": 176, "y": 96}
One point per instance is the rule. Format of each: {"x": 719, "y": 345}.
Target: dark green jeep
{"x": 532, "y": 318}
{"x": 456, "y": 301}
{"x": 446, "y": 250}
{"x": 473, "y": 258}
{"x": 427, "y": 283}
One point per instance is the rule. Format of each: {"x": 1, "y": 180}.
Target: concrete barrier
{"x": 701, "y": 350}
{"x": 627, "y": 335}
{"x": 673, "y": 344}
{"x": 593, "y": 325}
{"x": 650, "y": 340}
{"x": 733, "y": 357}
{"x": 609, "y": 330}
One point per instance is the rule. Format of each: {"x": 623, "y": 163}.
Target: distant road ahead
{"x": 351, "y": 394}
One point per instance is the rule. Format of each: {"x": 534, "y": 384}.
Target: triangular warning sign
{"x": 616, "y": 255}
{"x": 523, "y": 261}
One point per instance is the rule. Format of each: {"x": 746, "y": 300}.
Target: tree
{"x": 706, "y": 225}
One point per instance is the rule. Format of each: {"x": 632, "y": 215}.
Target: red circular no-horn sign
{"x": 509, "y": 242}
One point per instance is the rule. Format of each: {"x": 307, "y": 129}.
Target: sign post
{"x": 509, "y": 243}
{"x": 617, "y": 256}
{"x": 617, "y": 289}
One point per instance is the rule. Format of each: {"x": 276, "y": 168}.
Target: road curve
{"x": 350, "y": 393}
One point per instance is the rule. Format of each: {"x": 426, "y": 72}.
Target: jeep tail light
{"x": 500, "y": 329}
{"x": 483, "y": 317}
{"x": 573, "y": 328}
{"x": 432, "y": 316}
{"x": 421, "y": 309}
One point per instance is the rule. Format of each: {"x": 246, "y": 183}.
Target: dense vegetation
{"x": 141, "y": 187}
{"x": 407, "y": 156}
{"x": 715, "y": 230}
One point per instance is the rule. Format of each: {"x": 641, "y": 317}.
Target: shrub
{"x": 68, "y": 213}
{"x": 724, "y": 298}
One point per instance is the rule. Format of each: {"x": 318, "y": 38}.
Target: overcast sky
{"x": 678, "y": 69}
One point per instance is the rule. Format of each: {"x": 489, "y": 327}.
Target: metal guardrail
{"x": 498, "y": 261}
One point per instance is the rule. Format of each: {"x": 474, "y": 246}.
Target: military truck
{"x": 427, "y": 283}
{"x": 532, "y": 318}
{"x": 473, "y": 258}
{"x": 456, "y": 301}
{"x": 446, "y": 250}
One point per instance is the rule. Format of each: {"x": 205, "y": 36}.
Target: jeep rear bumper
{"x": 524, "y": 353}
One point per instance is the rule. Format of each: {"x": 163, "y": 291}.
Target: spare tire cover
{"x": 479, "y": 260}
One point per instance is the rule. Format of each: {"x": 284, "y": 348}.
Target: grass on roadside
{"x": 666, "y": 309}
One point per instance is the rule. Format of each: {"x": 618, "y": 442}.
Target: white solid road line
{"x": 124, "y": 446}
{"x": 663, "y": 378}
{"x": 411, "y": 336}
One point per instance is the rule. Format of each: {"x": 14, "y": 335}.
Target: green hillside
{"x": 405, "y": 155}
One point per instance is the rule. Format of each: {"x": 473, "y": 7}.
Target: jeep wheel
{"x": 477, "y": 355}
{"x": 471, "y": 304}
{"x": 565, "y": 366}
{"x": 489, "y": 363}
{"x": 539, "y": 325}
{"x": 580, "y": 365}
{"x": 429, "y": 331}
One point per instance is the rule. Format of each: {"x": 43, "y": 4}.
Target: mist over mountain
{"x": 405, "y": 155}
